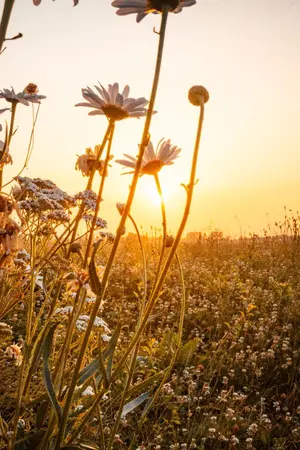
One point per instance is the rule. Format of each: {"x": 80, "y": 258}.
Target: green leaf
{"x": 134, "y": 403}
{"x": 47, "y": 373}
{"x": 41, "y": 413}
{"x": 94, "y": 366}
{"x": 146, "y": 382}
{"x": 31, "y": 441}
{"x": 71, "y": 447}
{"x": 81, "y": 446}
{"x": 112, "y": 347}
{"x": 186, "y": 352}
{"x": 95, "y": 283}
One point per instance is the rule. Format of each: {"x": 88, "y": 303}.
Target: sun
{"x": 150, "y": 191}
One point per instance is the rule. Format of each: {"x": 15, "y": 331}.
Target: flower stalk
{"x": 8, "y": 139}
{"x": 157, "y": 288}
{"x": 7, "y": 9}
{"x": 91, "y": 178}
{"x": 99, "y": 198}
{"x": 144, "y": 142}
{"x": 164, "y": 226}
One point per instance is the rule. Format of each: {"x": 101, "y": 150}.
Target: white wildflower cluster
{"x": 110, "y": 237}
{"x": 82, "y": 322}
{"x": 89, "y": 199}
{"x": 36, "y": 195}
{"x": 100, "y": 223}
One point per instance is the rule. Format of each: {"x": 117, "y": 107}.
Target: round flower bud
{"x": 75, "y": 247}
{"x": 197, "y": 94}
{"x": 169, "y": 241}
{"x": 120, "y": 207}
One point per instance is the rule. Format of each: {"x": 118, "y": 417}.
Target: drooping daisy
{"x": 113, "y": 104}
{"x": 29, "y": 94}
{"x": 153, "y": 161}
{"x": 89, "y": 161}
{"x": 6, "y": 158}
{"x": 144, "y": 7}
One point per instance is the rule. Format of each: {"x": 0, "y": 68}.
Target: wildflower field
{"x": 111, "y": 339}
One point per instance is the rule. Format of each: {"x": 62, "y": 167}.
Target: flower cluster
{"x": 38, "y": 195}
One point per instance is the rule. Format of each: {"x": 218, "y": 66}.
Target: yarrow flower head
{"x": 144, "y": 7}
{"x": 29, "y": 94}
{"x": 153, "y": 161}
{"x": 113, "y": 104}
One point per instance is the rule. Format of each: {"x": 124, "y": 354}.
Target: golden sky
{"x": 245, "y": 52}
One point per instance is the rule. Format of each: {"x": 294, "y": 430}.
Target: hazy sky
{"x": 245, "y": 52}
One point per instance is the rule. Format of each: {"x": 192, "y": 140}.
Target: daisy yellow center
{"x": 115, "y": 112}
{"x": 158, "y": 4}
{"x": 152, "y": 167}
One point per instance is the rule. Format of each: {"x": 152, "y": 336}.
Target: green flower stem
{"x": 164, "y": 225}
{"x": 179, "y": 337}
{"x": 99, "y": 198}
{"x": 136, "y": 349}
{"x": 18, "y": 405}
{"x": 144, "y": 143}
{"x": 60, "y": 242}
{"x": 144, "y": 260}
{"x": 173, "y": 359}
{"x": 131, "y": 365}
{"x": 7, "y": 141}
{"x": 78, "y": 304}
{"x": 101, "y": 430}
{"x": 29, "y": 148}
{"x": 155, "y": 293}
{"x": 90, "y": 180}
{"x": 27, "y": 347}
{"x": 8, "y": 6}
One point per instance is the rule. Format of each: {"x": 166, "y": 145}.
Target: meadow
{"x": 235, "y": 380}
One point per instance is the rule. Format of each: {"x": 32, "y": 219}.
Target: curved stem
{"x": 155, "y": 293}
{"x": 144, "y": 143}
{"x": 136, "y": 349}
{"x": 179, "y": 337}
{"x": 30, "y": 147}
{"x": 8, "y": 6}
{"x": 90, "y": 180}
{"x": 59, "y": 375}
{"x": 174, "y": 356}
{"x": 8, "y": 140}
{"x": 131, "y": 365}
{"x": 99, "y": 198}
{"x": 164, "y": 225}
{"x": 144, "y": 259}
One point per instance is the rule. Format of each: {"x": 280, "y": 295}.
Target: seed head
{"x": 197, "y": 95}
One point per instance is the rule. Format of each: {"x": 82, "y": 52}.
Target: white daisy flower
{"x": 153, "y": 161}
{"x": 144, "y": 7}
{"x": 113, "y": 104}
{"x": 28, "y": 95}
